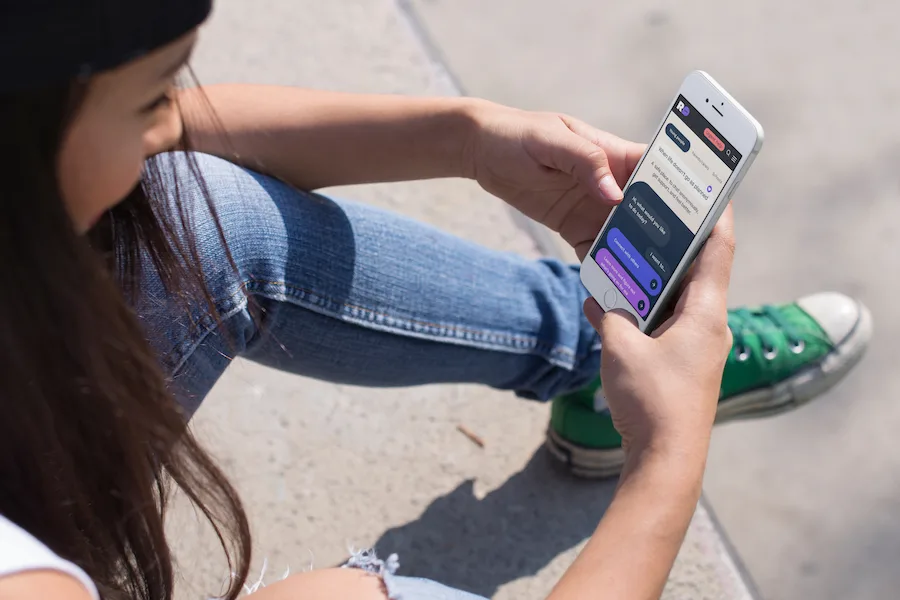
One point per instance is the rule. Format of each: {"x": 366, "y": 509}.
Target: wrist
{"x": 470, "y": 113}
{"x": 681, "y": 462}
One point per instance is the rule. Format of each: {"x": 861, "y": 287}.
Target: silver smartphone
{"x": 698, "y": 157}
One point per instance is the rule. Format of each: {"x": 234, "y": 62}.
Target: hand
{"x": 555, "y": 169}
{"x": 662, "y": 390}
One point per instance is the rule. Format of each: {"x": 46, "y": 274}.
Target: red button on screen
{"x": 714, "y": 139}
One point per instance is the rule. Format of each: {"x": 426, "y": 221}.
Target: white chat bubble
{"x": 665, "y": 172}
{"x": 679, "y": 165}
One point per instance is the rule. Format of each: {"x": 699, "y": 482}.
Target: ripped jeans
{"x": 352, "y": 294}
{"x": 403, "y": 588}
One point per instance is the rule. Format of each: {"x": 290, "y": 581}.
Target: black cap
{"x": 44, "y": 42}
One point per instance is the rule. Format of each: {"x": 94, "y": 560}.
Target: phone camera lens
{"x": 707, "y": 100}
{"x": 641, "y": 305}
{"x": 653, "y": 284}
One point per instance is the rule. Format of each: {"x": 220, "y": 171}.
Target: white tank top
{"x": 20, "y": 552}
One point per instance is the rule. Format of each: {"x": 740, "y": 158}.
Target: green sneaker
{"x": 783, "y": 357}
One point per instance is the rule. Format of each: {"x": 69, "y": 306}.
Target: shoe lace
{"x": 766, "y": 323}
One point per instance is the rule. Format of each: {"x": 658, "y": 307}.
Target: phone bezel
{"x": 743, "y": 132}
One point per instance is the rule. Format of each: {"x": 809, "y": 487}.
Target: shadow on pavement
{"x": 513, "y": 532}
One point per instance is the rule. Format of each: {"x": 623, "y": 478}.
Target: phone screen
{"x": 673, "y": 191}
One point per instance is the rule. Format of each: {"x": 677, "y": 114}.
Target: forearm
{"x": 315, "y": 139}
{"x": 632, "y": 551}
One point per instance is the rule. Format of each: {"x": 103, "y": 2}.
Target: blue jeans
{"x": 352, "y": 294}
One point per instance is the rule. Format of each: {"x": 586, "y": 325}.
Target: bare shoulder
{"x": 42, "y": 585}
{"x": 325, "y": 584}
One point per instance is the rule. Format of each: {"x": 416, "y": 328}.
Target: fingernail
{"x": 610, "y": 189}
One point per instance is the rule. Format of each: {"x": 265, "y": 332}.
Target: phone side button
{"x": 609, "y": 299}
{"x": 735, "y": 186}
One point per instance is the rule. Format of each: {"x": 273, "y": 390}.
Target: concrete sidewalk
{"x": 811, "y": 499}
{"x": 323, "y": 467}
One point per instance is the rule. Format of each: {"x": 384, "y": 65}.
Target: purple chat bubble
{"x": 633, "y": 261}
{"x": 623, "y": 282}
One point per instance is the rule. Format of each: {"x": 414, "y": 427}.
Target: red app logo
{"x": 714, "y": 139}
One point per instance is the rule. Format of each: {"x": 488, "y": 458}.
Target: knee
{"x": 222, "y": 210}
{"x": 326, "y": 584}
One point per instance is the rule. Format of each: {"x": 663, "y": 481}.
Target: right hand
{"x": 662, "y": 390}
{"x": 554, "y": 168}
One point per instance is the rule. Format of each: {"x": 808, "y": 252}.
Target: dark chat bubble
{"x": 654, "y": 257}
{"x": 638, "y": 201}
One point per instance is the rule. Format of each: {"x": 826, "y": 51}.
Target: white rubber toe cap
{"x": 837, "y": 314}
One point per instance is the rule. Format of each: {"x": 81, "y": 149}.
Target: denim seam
{"x": 206, "y": 325}
{"x": 352, "y": 313}
{"x": 330, "y": 303}
{"x": 361, "y": 315}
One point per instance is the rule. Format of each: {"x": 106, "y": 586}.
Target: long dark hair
{"x": 90, "y": 438}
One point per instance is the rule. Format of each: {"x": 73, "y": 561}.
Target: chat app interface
{"x": 671, "y": 195}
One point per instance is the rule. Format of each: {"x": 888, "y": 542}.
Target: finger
{"x": 581, "y": 249}
{"x": 593, "y": 312}
{"x": 623, "y": 155}
{"x": 706, "y": 285}
{"x": 612, "y": 325}
{"x": 586, "y": 162}
{"x": 581, "y": 221}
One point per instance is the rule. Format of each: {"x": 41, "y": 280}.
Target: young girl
{"x": 147, "y": 270}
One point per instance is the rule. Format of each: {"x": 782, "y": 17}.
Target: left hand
{"x": 663, "y": 389}
{"x": 554, "y": 168}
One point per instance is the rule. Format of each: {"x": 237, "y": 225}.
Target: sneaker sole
{"x": 787, "y": 395}
{"x": 587, "y": 463}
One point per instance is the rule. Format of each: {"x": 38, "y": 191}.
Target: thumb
{"x": 612, "y": 325}
{"x": 586, "y": 162}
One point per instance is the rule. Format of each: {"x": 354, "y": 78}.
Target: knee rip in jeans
{"x": 364, "y": 560}
{"x": 368, "y": 561}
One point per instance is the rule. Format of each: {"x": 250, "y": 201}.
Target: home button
{"x": 609, "y": 299}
